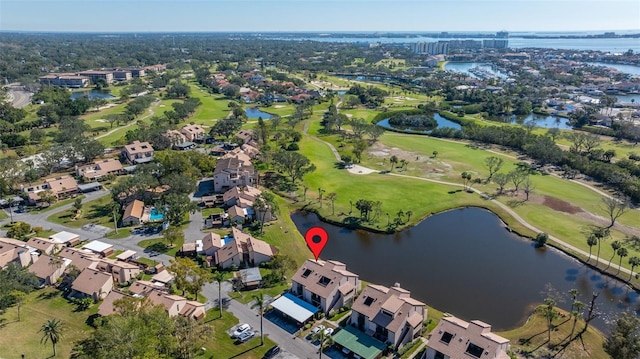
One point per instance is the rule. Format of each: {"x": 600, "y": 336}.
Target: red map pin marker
{"x": 316, "y": 238}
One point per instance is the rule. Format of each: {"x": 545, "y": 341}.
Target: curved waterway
{"x": 467, "y": 263}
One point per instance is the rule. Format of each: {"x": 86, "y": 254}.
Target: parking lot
{"x": 281, "y": 321}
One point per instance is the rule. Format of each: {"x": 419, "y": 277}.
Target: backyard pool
{"x": 155, "y": 215}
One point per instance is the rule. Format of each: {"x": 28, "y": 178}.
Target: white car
{"x": 328, "y": 332}
{"x": 317, "y": 329}
{"x": 246, "y": 335}
{"x": 240, "y": 329}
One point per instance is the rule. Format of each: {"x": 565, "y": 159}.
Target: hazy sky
{"x": 314, "y": 15}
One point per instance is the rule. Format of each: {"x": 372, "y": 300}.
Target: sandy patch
{"x": 101, "y": 120}
{"x": 279, "y": 106}
{"x": 560, "y": 205}
{"x": 163, "y": 105}
{"x": 359, "y": 170}
{"x": 349, "y": 115}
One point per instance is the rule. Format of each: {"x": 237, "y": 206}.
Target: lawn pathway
{"x": 131, "y": 123}
{"x": 560, "y": 243}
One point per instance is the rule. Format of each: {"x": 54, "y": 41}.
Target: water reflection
{"x": 466, "y": 263}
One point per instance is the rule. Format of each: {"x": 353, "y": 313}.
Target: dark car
{"x": 272, "y": 352}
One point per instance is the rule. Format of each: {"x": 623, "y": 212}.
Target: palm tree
{"x": 393, "y": 160}
{"x": 408, "y": 213}
{"x": 591, "y": 241}
{"x": 615, "y": 245}
{"x": 549, "y": 313}
{"x": 332, "y": 197}
{"x": 259, "y": 303}
{"x": 52, "y": 331}
{"x": 219, "y": 277}
{"x": 578, "y": 306}
{"x": 634, "y": 261}
{"x": 622, "y": 252}
{"x": 323, "y": 338}
{"x": 18, "y": 298}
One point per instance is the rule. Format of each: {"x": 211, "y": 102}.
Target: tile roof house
{"x": 44, "y": 246}
{"x": 193, "y": 132}
{"x": 48, "y": 269}
{"x": 137, "y": 152}
{"x": 80, "y": 259}
{"x": 12, "y": 250}
{"x": 325, "y": 284}
{"x": 246, "y": 136}
{"x": 176, "y": 137}
{"x": 236, "y": 215}
{"x": 122, "y": 272}
{"x": 107, "y": 307}
{"x": 133, "y": 213}
{"x": 100, "y": 168}
{"x": 177, "y": 305}
{"x": 243, "y": 250}
{"x": 388, "y": 314}
{"x": 233, "y": 195}
{"x": 92, "y": 283}
{"x": 211, "y": 242}
{"x": 231, "y": 172}
{"x": 456, "y": 338}
{"x": 62, "y": 187}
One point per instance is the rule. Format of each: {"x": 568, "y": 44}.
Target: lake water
{"x": 93, "y": 94}
{"x": 255, "y": 112}
{"x": 442, "y": 122}
{"x": 466, "y": 263}
{"x": 543, "y": 121}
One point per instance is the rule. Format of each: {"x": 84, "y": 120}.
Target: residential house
{"x": 237, "y": 215}
{"x": 137, "y": 152}
{"x": 62, "y": 187}
{"x": 193, "y": 133}
{"x": 143, "y": 287}
{"x": 230, "y": 172}
{"x": 327, "y": 285}
{"x": 80, "y": 259}
{"x": 243, "y": 250}
{"x": 100, "y": 168}
{"x": 13, "y": 250}
{"x": 211, "y": 243}
{"x": 163, "y": 277}
{"x": 107, "y": 307}
{"x": 388, "y": 314}
{"x": 44, "y": 246}
{"x": 177, "y": 305}
{"x": 238, "y": 154}
{"x": 455, "y": 338}
{"x": 233, "y": 196}
{"x": 133, "y": 213}
{"x": 92, "y": 283}
{"x": 66, "y": 238}
{"x": 122, "y": 272}
{"x": 100, "y": 248}
{"x": 246, "y": 136}
{"x": 250, "y": 278}
{"x": 176, "y": 137}
{"x": 48, "y": 269}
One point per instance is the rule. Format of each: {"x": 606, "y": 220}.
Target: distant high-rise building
{"x": 502, "y": 35}
{"x": 495, "y": 44}
{"x": 431, "y": 48}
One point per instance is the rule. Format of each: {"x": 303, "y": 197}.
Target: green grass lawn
{"x": 221, "y": 345}
{"x": 214, "y": 106}
{"x": 55, "y": 205}
{"x": 161, "y": 245}
{"x": 532, "y": 337}
{"x": 22, "y": 337}
{"x": 96, "y": 211}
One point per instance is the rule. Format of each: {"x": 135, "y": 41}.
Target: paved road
{"x": 299, "y": 347}
{"x": 18, "y": 96}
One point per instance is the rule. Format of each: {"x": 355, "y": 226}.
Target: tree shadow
{"x": 158, "y": 247}
{"x": 455, "y": 191}
{"x": 516, "y": 202}
{"x": 244, "y": 352}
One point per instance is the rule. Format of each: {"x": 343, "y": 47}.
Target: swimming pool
{"x": 155, "y": 215}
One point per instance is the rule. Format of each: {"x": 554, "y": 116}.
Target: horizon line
{"x": 319, "y": 32}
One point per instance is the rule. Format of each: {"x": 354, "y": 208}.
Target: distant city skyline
{"x": 319, "y": 16}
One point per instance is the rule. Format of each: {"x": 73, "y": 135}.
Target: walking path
{"x": 151, "y": 113}
{"x": 560, "y": 243}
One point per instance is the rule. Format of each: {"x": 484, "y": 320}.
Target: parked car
{"x": 317, "y": 329}
{"x": 346, "y": 351}
{"x": 272, "y": 352}
{"x": 328, "y": 332}
{"x": 246, "y": 335}
{"x": 240, "y": 329}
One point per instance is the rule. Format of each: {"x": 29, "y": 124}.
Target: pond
{"x": 93, "y": 94}
{"x": 442, "y": 122}
{"x": 542, "y": 121}
{"x": 255, "y": 112}
{"x": 467, "y": 263}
